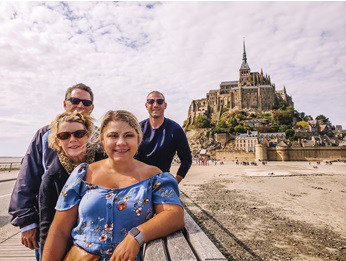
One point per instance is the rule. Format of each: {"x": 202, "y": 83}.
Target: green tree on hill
{"x": 221, "y": 126}
{"x": 282, "y": 105}
{"x": 283, "y": 128}
{"x": 227, "y": 122}
{"x": 300, "y": 116}
{"x": 274, "y": 127}
{"x": 229, "y": 119}
{"x": 322, "y": 118}
{"x": 202, "y": 121}
{"x": 267, "y": 115}
{"x": 302, "y": 124}
{"x": 289, "y": 134}
{"x": 283, "y": 117}
{"x": 238, "y": 115}
{"x": 241, "y": 128}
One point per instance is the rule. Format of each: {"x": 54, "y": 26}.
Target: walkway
{"x": 12, "y": 249}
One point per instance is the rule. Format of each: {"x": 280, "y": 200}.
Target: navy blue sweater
{"x": 52, "y": 183}
{"x": 24, "y": 204}
{"x": 160, "y": 145}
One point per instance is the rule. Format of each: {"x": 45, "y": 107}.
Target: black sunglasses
{"x": 66, "y": 135}
{"x": 158, "y": 101}
{"x": 76, "y": 101}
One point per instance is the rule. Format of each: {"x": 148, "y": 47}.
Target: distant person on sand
{"x": 24, "y": 203}
{"x": 162, "y": 138}
{"x": 71, "y": 136}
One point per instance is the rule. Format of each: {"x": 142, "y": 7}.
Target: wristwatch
{"x": 137, "y": 234}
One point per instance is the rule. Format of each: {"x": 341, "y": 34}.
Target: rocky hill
{"x": 202, "y": 139}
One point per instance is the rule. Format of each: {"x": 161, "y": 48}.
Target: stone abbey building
{"x": 252, "y": 92}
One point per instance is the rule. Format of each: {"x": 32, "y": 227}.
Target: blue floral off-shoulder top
{"x": 105, "y": 215}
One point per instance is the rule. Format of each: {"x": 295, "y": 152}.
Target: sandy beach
{"x": 278, "y": 211}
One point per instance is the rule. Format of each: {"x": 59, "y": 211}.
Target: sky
{"x": 124, "y": 50}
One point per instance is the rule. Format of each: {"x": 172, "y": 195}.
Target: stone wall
{"x": 305, "y": 154}
{"x": 233, "y": 155}
{"x": 285, "y": 154}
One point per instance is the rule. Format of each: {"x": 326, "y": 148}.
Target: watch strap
{"x": 140, "y": 239}
{"x": 137, "y": 235}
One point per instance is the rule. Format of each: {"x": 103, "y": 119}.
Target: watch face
{"x": 134, "y": 232}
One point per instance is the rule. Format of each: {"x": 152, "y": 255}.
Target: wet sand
{"x": 278, "y": 211}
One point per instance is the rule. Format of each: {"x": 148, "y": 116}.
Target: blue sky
{"x": 184, "y": 49}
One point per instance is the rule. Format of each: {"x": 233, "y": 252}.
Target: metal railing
{"x": 4, "y": 166}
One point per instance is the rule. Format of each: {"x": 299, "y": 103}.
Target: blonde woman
{"x": 114, "y": 201}
{"x": 70, "y": 137}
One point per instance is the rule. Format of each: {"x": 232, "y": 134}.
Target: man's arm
{"x": 23, "y": 204}
{"x": 48, "y": 196}
{"x": 184, "y": 153}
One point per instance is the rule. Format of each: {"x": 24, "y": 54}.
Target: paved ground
{"x": 12, "y": 249}
{"x": 10, "y": 242}
{"x": 6, "y": 175}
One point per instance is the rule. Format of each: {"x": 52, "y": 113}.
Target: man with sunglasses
{"x": 163, "y": 138}
{"x": 38, "y": 158}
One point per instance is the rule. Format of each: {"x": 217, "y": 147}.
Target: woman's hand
{"x": 127, "y": 250}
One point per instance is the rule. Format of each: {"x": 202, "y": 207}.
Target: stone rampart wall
{"x": 305, "y": 154}
{"x": 286, "y": 154}
{"x": 233, "y": 155}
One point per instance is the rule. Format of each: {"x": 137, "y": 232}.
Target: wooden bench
{"x": 191, "y": 243}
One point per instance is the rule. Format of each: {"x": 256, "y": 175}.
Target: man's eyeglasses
{"x": 66, "y": 135}
{"x": 76, "y": 101}
{"x": 158, "y": 101}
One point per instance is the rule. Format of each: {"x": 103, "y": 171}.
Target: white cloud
{"x": 124, "y": 50}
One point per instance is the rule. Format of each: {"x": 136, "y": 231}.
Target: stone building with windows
{"x": 252, "y": 92}
{"x": 247, "y": 141}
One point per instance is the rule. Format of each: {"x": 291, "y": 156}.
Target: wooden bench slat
{"x": 155, "y": 250}
{"x": 178, "y": 248}
{"x": 204, "y": 248}
{"x": 189, "y": 244}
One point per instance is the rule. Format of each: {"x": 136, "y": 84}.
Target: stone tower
{"x": 244, "y": 71}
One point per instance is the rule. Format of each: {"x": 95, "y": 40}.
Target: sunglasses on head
{"x": 66, "y": 135}
{"x": 76, "y": 101}
{"x": 158, "y": 101}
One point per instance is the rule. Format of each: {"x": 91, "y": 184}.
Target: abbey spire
{"x": 244, "y": 51}
{"x": 244, "y": 64}
{"x": 244, "y": 71}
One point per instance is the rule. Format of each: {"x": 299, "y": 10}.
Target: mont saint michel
{"x": 254, "y": 91}
{"x": 251, "y": 119}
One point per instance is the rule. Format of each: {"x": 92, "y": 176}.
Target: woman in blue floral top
{"x": 108, "y": 206}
